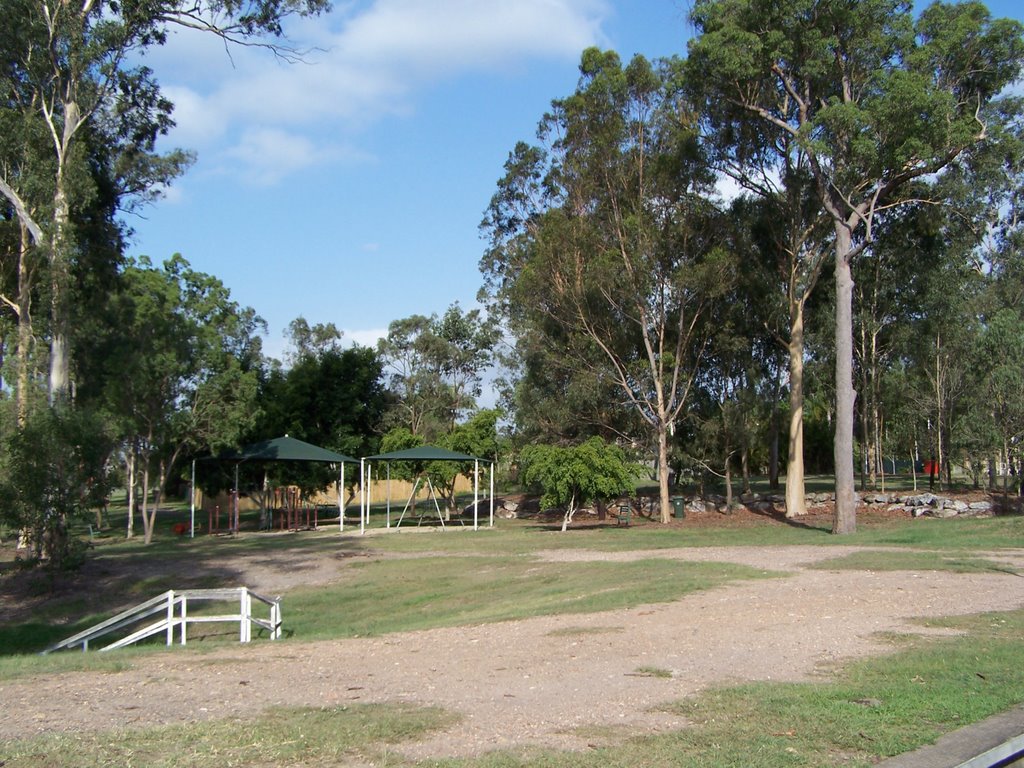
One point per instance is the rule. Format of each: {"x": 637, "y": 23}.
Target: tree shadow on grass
{"x": 1009, "y": 505}
{"x": 817, "y": 521}
{"x": 579, "y": 528}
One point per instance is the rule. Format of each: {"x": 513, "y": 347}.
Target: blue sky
{"x": 349, "y": 188}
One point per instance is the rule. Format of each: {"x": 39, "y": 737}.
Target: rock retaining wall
{"x": 917, "y": 504}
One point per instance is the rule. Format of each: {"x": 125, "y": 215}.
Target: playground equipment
{"x": 432, "y": 497}
{"x": 293, "y": 511}
{"x": 213, "y": 526}
{"x": 172, "y": 607}
{"x": 286, "y": 449}
{"x": 418, "y": 456}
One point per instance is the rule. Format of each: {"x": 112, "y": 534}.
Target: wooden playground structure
{"x": 286, "y": 509}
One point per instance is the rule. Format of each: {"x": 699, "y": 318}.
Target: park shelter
{"x": 422, "y": 453}
{"x": 279, "y": 449}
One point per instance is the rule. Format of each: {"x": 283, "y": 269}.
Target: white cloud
{"x": 364, "y": 63}
{"x": 270, "y": 154}
{"x": 275, "y": 347}
{"x": 444, "y": 35}
{"x": 197, "y": 123}
{"x": 173, "y": 193}
{"x": 728, "y": 188}
{"x": 365, "y": 338}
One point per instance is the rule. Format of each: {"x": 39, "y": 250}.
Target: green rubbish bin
{"x": 678, "y": 507}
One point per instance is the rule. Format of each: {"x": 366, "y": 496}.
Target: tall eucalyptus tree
{"x": 873, "y": 97}
{"x": 68, "y": 73}
{"x": 603, "y": 243}
{"x": 436, "y": 367}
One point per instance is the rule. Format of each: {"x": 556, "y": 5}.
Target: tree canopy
{"x": 572, "y": 476}
{"x": 603, "y": 254}
{"x": 641, "y": 314}
{"x": 872, "y": 97}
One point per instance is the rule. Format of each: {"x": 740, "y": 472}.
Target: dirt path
{"x": 536, "y": 681}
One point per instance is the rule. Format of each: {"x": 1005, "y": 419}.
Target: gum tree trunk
{"x": 663, "y": 490}
{"x": 845, "y": 519}
{"x": 795, "y": 497}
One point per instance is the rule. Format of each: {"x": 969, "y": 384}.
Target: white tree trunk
{"x": 845, "y": 519}
{"x": 569, "y": 512}
{"x": 147, "y": 533}
{"x": 796, "y": 502}
{"x": 24, "y": 313}
{"x": 60, "y": 278}
{"x": 130, "y": 462}
{"x": 663, "y": 489}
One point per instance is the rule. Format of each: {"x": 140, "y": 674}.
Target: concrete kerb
{"x": 989, "y": 744}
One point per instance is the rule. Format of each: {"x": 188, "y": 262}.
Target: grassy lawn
{"x": 526, "y": 536}
{"x": 911, "y": 560}
{"x": 486, "y": 575}
{"x": 400, "y": 594}
{"x": 352, "y": 735}
{"x": 407, "y": 580}
{"x": 420, "y": 593}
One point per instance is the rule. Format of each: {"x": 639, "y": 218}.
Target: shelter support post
{"x": 341, "y": 499}
{"x": 365, "y": 487}
{"x": 476, "y": 495}
{"x": 429, "y": 453}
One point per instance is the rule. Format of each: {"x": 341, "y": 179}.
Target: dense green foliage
{"x": 434, "y": 368}
{"x": 646, "y": 308}
{"x": 605, "y": 258}
{"x": 53, "y": 473}
{"x": 330, "y": 397}
{"x": 79, "y": 123}
{"x": 872, "y": 98}
{"x": 642, "y": 308}
{"x": 593, "y": 471}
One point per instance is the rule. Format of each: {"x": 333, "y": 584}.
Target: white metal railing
{"x": 172, "y": 606}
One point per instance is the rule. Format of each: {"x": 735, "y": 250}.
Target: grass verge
{"x": 28, "y": 664}
{"x": 405, "y": 594}
{"x": 869, "y": 710}
{"x": 410, "y": 593}
{"x": 526, "y": 536}
{"x": 458, "y": 570}
{"x": 357, "y": 734}
{"x": 913, "y": 560}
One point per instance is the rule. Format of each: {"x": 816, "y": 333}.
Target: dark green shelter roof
{"x": 286, "y": 449}
{"x": 424, "y": 453}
